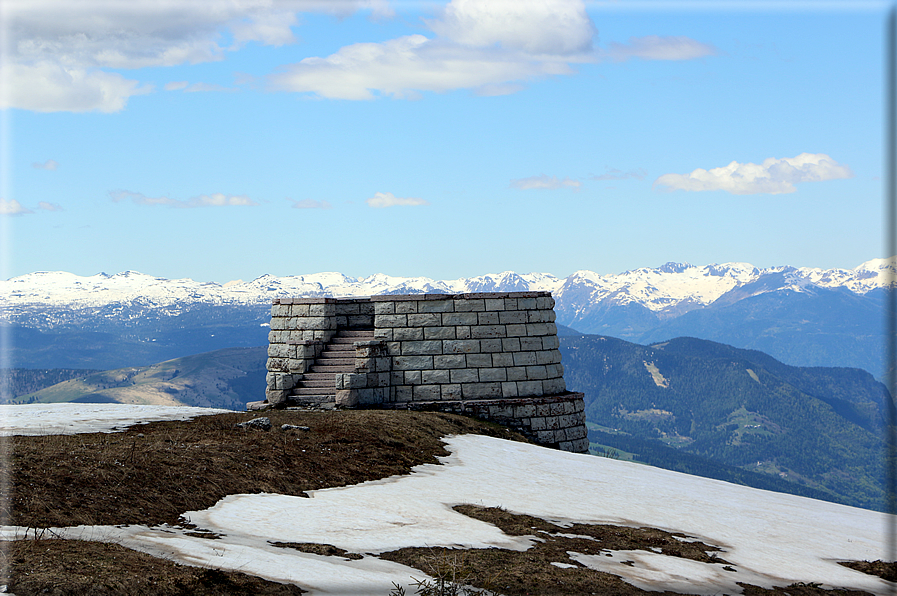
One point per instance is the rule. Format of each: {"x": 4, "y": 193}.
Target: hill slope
{"x": 221, "y": 379}
{"x": 819, "y": 427}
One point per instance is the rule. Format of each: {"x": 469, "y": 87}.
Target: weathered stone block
{"x": 547, "y": 356}
{"x": 556, "y": 409}
{"x": 554, "y": 386}
{"x": 462, "y": 332}
{"x": 545, "y": 302}
{"x": 481, "y": 390}
{"x": 524, "y": 358}
{"x": 280, "y": 310}
{"x": 451, "y": 391}
{"x": 299, "y": 310}
{"x": 516, "y": 330}
{"x": 479, "y": 360}
{"x": 417, "y": 348}
{"x": 406, "y": 307}
{"x": 437, "y": 332}
{"x": 536, "y": 373}
{"x": 279, "y": 323}
{"x": 346, "y": 398}
{"x": 490, "y": 345}
{"x": 321, "y": 310}
{"x": 487, "y": 318}
{"x": 460, "y": 318}
{"x": 426, "y": 392}
{"x": 397, "y": 377}
{"x": 502, "y": 359}
{"x": 495, "y": 304}
{"x": 545, "y": 437}
{"x": 510, "y": 304}
{"x": 464, "y": 375}
{"x": 509, "y": 389}
{"x": 513, "y": 317}
{"x": 435, "y": 377}
{"x": 278, "y": 365}
{"x": 394, "y": 348}
{"x": 538, "y": 423}
{"x": 487, "y": 331}
{"x": 412, "y": 377}
{"x": 402, "y": 393}
{"x": 383, "y": 334}
{"x": 436, "y": 306}
{"x": 412, "y": 362}
{"x": 536, "y": 329}
{"x": 552, "y": 329}
{"x": 381, "y": 321}
{"x": 531, "y": 344}
{"x": 530, "y": 388}
{"x": 278, "y": 351}
{"x": 524, "y": 411}
{"x": 577, "y": 432}
{"x": 407, "y": 334}
{"x": 424, "y": 320}
{"x": 470, "y": 305}
{"x": 526, "y": 303}
{"x": 360, "y": 321}
{"x": 517, "y": 373}
{"x": 460, "y": 346}
{"x": 535, "y": 316}
{"x": 450, "y": 361}
{"x": 384, "y": 308}
{"x": 493, "y": 374}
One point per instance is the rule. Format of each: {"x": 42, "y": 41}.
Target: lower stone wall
{"x": 557, "y": 421}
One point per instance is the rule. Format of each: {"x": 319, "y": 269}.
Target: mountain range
{"x": 802, "y": 316}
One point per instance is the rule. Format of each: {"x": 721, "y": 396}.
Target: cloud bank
{"x": 615, "y": 174}
{"x": 654, "y": 47}
{"x": 773, "y": 176}
{"x": 544, "y": 182}
{"x": 387, "y": 199}
{"x": 13, "y": 207}
{"x": 57, "y": 50}
{"x": 213, "y": 200}
{"x": 50, "y": 164}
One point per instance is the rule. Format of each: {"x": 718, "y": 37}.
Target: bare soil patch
{"x": 150, "y": 474}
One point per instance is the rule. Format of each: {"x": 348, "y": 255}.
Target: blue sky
{"x": 223, "y": 140}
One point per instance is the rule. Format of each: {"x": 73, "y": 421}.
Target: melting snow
{"x": 767, "y": 538}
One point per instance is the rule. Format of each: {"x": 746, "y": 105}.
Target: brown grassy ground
{"x": 152, "y": 473}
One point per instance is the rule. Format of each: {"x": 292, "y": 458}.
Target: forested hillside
{"x": 818, "y": 427}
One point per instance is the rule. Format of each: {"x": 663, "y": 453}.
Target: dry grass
{"x": 152, "y": 473}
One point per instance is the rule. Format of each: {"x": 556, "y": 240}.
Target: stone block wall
{"x": 491, "y": 355}
{"x": 470, "y": 346}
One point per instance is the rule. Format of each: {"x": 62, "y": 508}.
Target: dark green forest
{"x": 816, "y": 428}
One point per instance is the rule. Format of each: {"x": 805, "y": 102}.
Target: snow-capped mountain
{"x": 671, "y": 287}
{"x": 803, "y": 316}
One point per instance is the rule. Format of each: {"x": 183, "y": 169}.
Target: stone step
{"x": 341, "y": 347}
{"x": 335, "y": 360}
{"x": 318, "y": 383}
{"x": 319, "y": 368}
{"x": 308, "y": 392}
{"x": 313, "y": 376}
{"x": 346, "y": 341}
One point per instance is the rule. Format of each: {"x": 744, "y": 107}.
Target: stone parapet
{"x": 557, "y": 421}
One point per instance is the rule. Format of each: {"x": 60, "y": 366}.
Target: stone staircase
{"x": 317, "y": 389}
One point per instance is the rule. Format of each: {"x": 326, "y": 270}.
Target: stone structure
{"x": 491, "y": 355}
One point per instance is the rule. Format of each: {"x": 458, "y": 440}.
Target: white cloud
{"x": 544, "y": 182}
{"x": 213, "y": 200}
{"x": 387, "y": 199}
{"x": 49, "y": 87}
{"x": 13, "y": 207}
{"x": 50, "y": 164}
{"x": 56, "y": 50}
{"x": 405, "y": 66}
{"x": 49, "y": 206}
{"x": 310, "y": 204}
{"x": 490, "y": 46}
{"x": 654, "y": 47}
{"x": 615, "y": 174}
{"x": 534, "y": 27}
{"x": 175, "y": 85}
{"x": 773, "y": 176}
